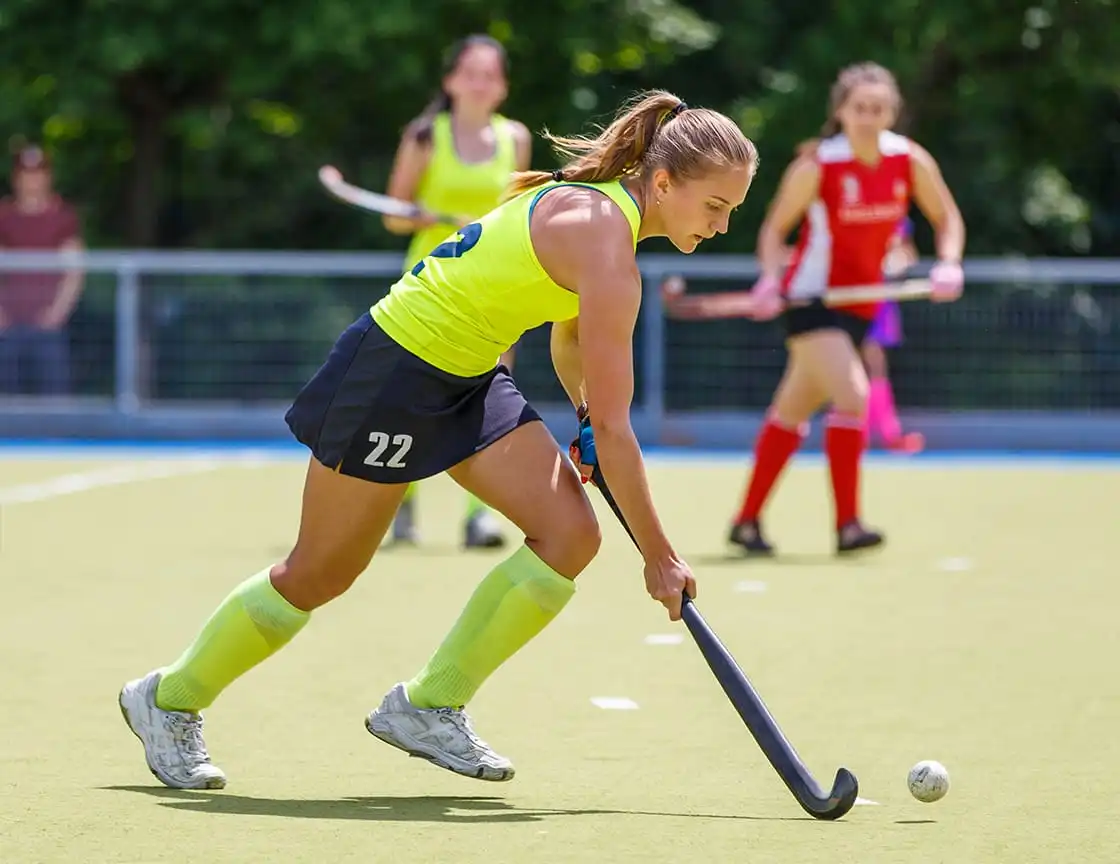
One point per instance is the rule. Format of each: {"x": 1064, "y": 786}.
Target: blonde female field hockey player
{"x": 413, "y": 388}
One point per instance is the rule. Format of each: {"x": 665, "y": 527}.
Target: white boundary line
{"x": 614, "y": 703}
{"x": 100, "y": 478}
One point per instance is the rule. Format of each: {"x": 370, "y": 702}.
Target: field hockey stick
{"x": 910, "y": 289}
{"x": 364, "y": 199}
{"x": 754, "y": 713}
{"x": 738, "y": 304}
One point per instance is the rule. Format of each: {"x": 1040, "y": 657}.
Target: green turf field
{"x": 983, "y": 636}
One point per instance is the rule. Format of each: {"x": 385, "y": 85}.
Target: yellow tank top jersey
{"x": 475, "y": 294}
{"x": 467, "y": 189}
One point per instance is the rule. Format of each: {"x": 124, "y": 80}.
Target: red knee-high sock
{"x": 843, "y": 442}
{"x": 775, "y": 445}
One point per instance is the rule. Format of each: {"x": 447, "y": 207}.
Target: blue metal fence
{"x": 214, "y": 344}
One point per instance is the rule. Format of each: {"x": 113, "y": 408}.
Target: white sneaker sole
{"x": 420, "y": 750}
{"x": 131, "y": 699}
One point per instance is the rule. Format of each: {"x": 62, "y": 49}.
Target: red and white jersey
{"x": 847, "y": 229}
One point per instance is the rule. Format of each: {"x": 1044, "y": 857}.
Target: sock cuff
{"x": 549, "y": 589}
{"x": 801, "y": 430}
{"x": 274, "y": 616}
{"x": 838, "y": 420}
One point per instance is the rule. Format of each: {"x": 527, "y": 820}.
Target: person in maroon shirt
{"x": 35, "y": 307}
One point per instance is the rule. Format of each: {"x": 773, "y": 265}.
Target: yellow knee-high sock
{"x": 515, "y": 601}
{"x": 251, "y": 624}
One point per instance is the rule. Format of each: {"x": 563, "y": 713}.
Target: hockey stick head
{"x": 845, "y": 790}
{"x": 330, "y": 176}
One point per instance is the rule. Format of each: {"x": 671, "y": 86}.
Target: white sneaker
{"x": 482, "y": 531}
{"x": 443, "y": 736}
{"x": 173, "y": 745}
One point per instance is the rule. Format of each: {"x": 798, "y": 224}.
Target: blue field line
{"x": 278, "y": 449}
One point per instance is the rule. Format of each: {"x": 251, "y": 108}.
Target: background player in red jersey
{"x": 885, "y": 332}
{"x": 849, "y": 197}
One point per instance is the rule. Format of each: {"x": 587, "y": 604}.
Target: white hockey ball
{"x": 928, "y": 781}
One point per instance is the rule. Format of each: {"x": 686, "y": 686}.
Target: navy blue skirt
{"x": 376, "y": 411}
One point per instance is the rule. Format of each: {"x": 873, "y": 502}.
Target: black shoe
{"x": 853, "y": 537}
{"x": 748, "y": 537}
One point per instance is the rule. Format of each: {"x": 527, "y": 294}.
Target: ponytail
{"x": 617, "y": 151}
{"x": 420, "y": 129}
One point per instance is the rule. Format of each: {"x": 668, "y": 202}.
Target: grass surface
{"x": 983, "y": 636}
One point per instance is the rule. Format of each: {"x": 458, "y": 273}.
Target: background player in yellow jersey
{"x": 457, "y": 157}
{"x": 413, "y": 388}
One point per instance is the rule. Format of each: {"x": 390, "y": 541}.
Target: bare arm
{"x": 409, "y": 166}
{"x": 3, "y": 314}
{"x": 523, "y": 142}
{"x": 938, "y": 205}
{"x": 797, "y": 191}
{"x": 71, "y": 289}
{"x": 564, "y": 344}
{"x": 584, "y": 242}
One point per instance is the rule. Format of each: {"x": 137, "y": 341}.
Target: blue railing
{"x": 1031, "y": 359}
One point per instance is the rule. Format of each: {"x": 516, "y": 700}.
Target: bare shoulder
{"x": 579, "y": 211}
{"x": 574, "y": 228}
{"x": 522, "y": 143}
{"x": 923, "y": 167}
{"x": 803, "y": 169}
{"x": 520, "y": 131}
{"x": 921, "y": 155}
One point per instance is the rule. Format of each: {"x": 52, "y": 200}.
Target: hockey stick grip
{"x": 598, "y": 479}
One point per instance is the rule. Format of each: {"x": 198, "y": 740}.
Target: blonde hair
{"x": 851, "y": 77}
{"x": 652, "y": 130}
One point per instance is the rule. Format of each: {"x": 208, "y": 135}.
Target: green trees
{"x": 203, "y": 124}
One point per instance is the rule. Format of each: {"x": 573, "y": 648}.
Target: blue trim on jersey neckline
{"x": 629, "y": 194}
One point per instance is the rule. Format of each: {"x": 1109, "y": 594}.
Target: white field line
{"x": 99, "y": 478}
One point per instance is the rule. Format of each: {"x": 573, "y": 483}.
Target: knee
{"x": 874, "y": 360}
{"x": 852, "y": 398}
{"x": 308, "y": 580}
{"x": 571, "y": 543}
{"x": 793, "y": 410}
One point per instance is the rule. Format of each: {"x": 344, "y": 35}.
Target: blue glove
{"x": 582, "y": 449}
{"x": 586, "y": 442}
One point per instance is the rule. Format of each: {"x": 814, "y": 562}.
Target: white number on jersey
{"x": 380, "y": 442}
